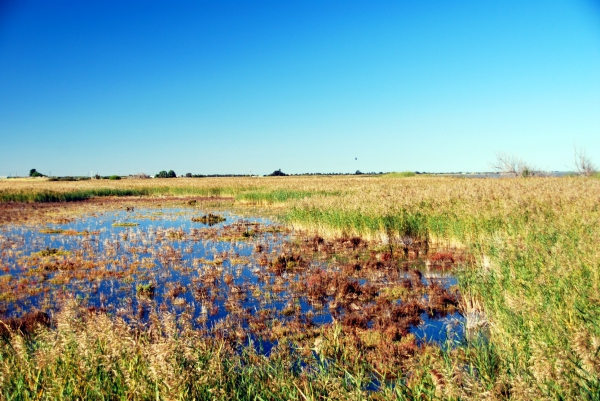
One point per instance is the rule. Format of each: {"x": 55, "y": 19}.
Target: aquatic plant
{"x": 125, "y": 224}
{"x": 210, "y": 219}
{"x": 25, "y": 325}
{"x": 51, "y": 252}
{"x": 52, "y": 231}
{"x": 145, "y": 289}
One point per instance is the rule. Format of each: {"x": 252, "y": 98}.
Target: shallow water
{"x": 215, "y": 274}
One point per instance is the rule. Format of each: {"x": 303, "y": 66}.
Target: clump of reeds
{"x": 287, "y": 262}
{"x": 24, "y": 325}
{"x": 209, "y": 219}
{"x": 145, "y": 289}
{"x": 125, "y": 224}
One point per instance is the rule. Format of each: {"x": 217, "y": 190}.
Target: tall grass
{"x": 91, "y": 356}
{"x": 78, "y": 195}
{"x": 336, "y": 222}
{"x": 266, "y": 196}
{"x": 536, "y": 273}
{"x": 244, "y": 190}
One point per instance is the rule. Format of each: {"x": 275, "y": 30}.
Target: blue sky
{"x": 305, "y": 86}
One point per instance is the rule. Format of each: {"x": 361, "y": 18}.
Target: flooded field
{"x": 232, "y": 276}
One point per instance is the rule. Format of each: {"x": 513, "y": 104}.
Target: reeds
{"x": 89, "y": 355}
{"x": 245, "y": 190}
{"x": 46, "y": 195}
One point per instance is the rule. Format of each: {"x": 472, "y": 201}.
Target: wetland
{"x": 236, "y": 277}
{"x": 300, "y": 288}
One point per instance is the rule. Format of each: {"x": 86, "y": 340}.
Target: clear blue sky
{"x": 305, "y": 86}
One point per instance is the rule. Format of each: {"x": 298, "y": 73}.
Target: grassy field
{"x": 531, "y": 296}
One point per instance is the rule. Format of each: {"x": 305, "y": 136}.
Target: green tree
{"x": 34, "y": 173}
{"x": 278, "y": 173}
{"x": 165, "y": 174}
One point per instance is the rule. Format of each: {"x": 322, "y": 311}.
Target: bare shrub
{"x": 514, "y": 166}
{"x": 507, "y": 164}
{"x": 583, "y": 163}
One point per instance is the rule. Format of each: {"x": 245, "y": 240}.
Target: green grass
{"x": 280, "y": 195}
{"x": 125, "y": 224}
{"x": 44, "y": 195}
{"x": 249, "y": 194}
{"x": 401, "y": 174}
{"x": 354, "y": 222}
{"x": 75, "y": 195}
{"x": 195, "y": 191}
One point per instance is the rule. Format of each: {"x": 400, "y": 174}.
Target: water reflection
{"x": 233, "y": 275}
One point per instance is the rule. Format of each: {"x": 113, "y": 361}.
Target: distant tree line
{"x": 172, "y": 174}
{"x": 503, "y": 164}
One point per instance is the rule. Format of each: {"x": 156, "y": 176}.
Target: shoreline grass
{"x": 242, "y": 190}
{"x": 45, "y": 196}
{"x": 90, "y": 355}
